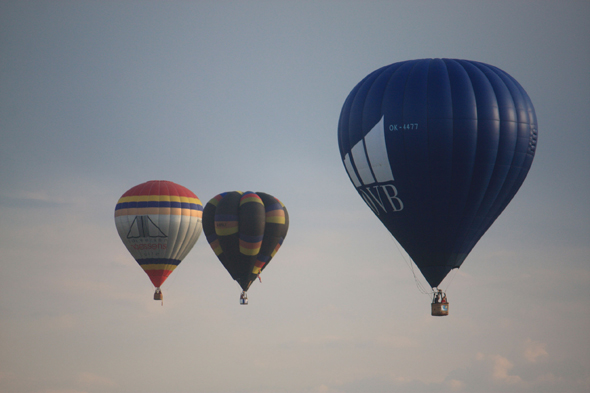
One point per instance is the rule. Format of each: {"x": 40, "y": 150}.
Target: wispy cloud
{"x": 93, "y": 380}
{"x": 30, "y": 200}
{"x": 501, "y": 370}
{"x": 534, "y": 350}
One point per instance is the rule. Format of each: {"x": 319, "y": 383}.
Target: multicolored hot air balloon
{"x": 437, "y": 148}
{"x": 159, "y": 222}
{"x": 245, "y": 230}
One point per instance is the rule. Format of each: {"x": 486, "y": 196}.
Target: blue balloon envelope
{"x": 437, "y": 148}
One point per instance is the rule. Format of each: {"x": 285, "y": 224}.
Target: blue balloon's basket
{"x": 439, "y": 309}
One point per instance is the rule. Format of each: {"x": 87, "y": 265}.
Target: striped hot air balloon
{"x": 245, "y": 230}
{"x": 159, "y": 222}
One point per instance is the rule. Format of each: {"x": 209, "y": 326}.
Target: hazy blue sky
{"x": 96, "y": 97}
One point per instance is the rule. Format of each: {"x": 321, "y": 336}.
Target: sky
{"x": 97, "y": 97}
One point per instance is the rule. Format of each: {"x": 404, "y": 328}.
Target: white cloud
{"x": 535, "y": 350}
{"x": 93, "y": 380}
{"x": 502, "y": 367}
{"x": 455, "y": 384}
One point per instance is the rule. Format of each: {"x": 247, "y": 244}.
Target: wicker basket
{"x": 440, "y": 309}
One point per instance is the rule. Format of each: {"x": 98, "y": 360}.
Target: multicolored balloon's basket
{"x": 439, "y": 309}
{"x": 244, "y": 299}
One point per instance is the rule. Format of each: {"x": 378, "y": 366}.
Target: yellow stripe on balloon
{"x": 225, "y": 230}
{"x": 275, "y": 250}
{"x": 253, "y": 198}
{"x": 216, "y": 247}
{"x": 275, "y": 219}
{"x": 158, "y": 267}
{"x": 144, "y": 211}
{"x": 249, "y": 251}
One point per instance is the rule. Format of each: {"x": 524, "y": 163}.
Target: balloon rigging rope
{"x": 411, "y": 267}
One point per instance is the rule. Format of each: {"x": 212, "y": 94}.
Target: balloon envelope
{"x": 159, "y": 222}
{"x": 437, "y": 148}
{"x": 245, "y": 230}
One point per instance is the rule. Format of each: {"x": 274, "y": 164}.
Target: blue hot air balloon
{"x": 437, "y": 148}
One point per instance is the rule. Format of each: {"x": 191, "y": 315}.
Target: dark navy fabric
{"x": 460, "y": 137}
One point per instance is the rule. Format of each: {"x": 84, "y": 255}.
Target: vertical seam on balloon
{"x": 384, "y": 69}
{"x": 212, "y": 216}
{"x": 368, "y": 160}
{"x": 344, "y": 137}
{"x": 463, "y": 238}
{"x": 454, "y": 168}
{"x": 452, "y": 122}
{"x": 185, "y": 223}
{"x": 452, "y": 144}
{"x": 194, "y": 233}
{"x": 182, "y": 238}
{"x": 381, "y": 115}
{"x": 465, "y": 241}
{"x": 192, "y": 226}
{"x": 403, "y": 138}
{"x": 162, "y": 185}
{"x": 189, "y": 241}
{"x": 249, "y": 269}
{"x": 264, "y": 233}
{"x": 477, "y": 65}
{"x": 408, "y": 179}
{"x": 510, "y": 193}
{"x": 473, "y": 220}
{"x": 457, "y": 63}
{"x": 452, "y": 126}
{"x": 382, "y": 110}
{"x": 173, "y": 244}
{"x": 399, "y": 65}
{"x": 476, "y": 128}
{"x": 431, "y": 186}
{"x": 352, "y": 160}
{"x": 150, "y": 191}
{"x": 230, "y": 252}
{"x": 522, "y": 170}
{"x": 178, "y": 242}
{"x": 485, "y": 223}
{"x": 428, "y": 152}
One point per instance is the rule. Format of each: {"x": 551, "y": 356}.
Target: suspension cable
{"x": 410, "y": 265}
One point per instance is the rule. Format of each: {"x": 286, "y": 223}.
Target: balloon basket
{"x": 158, "y": 294}
{"x": 244, "y": 299}
{"x": 439, "y": 309}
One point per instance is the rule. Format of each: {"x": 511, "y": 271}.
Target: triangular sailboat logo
{"x": 143, "y": 226}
